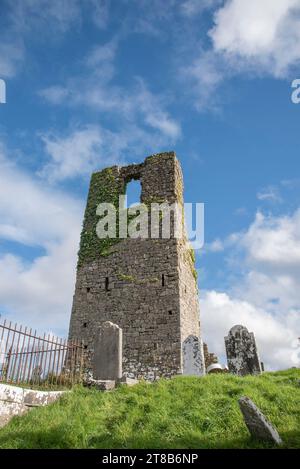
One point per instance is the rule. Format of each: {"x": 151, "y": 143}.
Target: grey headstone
{"x": 193, "y": 357}
{"x": 107, "y": 364}
{"x": 257, "y": 424}
{"x": 241, "y": 351}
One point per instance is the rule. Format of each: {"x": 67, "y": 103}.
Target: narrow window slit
{"x": 106, "y": 283}
{"x": 163, "y": 280}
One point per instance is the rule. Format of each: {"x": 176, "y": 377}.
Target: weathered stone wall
{"x": 241, "y": 351}
{"x": 145, "y": 286}
{"x": 17, "y": 401}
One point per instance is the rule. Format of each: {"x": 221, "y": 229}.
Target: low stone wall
{"x": 17, "y": 401}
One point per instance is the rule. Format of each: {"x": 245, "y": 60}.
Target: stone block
{"x": 101, "y": 384}
{"x": 9, "y": 410}
{"x": 257, "y": 424}
{"x": 40, "y": 398}
{"x": 107, "y": 364}
{"x": 125, "y": 381}
{"x": 241, "y": 351}
{"x": 16, "y": 401}
{"x": 193, "y": 358}
{"x": 11, "y": 393}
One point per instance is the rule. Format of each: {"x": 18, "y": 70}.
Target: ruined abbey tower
{"x": 147, "y": 287}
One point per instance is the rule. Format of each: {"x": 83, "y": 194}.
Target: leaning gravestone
{"x": 193, "y": 356}
{"x": 108, "y": 352}
{"x": 241, "y": 351}
{"x": 257, "y": 424}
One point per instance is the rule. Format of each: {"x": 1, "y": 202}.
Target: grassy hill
{"x": 184, "y": 412}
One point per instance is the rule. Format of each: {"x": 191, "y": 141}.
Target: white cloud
{"x": 264, "y": 35}
{"x": 265, "y": 262}
{"x": 79, "y": 153}
{"x": 39, "y": 292}
{"x": 92, "y": 147}
{"x": 276, "y": 337}
{"x": 274, "y": 241}
{"x": 204, "y": 75}
{"x": 94, "y": 89}
{"x": 258, "y": 38}
{"x": 216, "y": 246}
{"x": 154, "y": 115}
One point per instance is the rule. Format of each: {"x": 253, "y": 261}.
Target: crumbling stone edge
{"x": 15, "y": 400}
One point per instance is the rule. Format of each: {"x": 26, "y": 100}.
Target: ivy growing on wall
{"x": 104, "y": 187}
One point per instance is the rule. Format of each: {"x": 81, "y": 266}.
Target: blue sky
{"x": 94, "y": 83}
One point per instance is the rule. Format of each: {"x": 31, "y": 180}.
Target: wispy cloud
{"x": 269, "y": 194}
{"x": 204, "y": 75}
{"x": 194, "y": 7}
{"x": 48, "y": 19}
{"x": 78, "y": 153}
{"x": 11, "y": 56}
{"x": 84, "y": 149}
{"x": 94, "y": 88}
{"x": 139, "y": 117}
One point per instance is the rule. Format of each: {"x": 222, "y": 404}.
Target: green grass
{"x": 184, "y": 412}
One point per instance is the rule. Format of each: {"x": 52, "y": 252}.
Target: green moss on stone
{"x": 128, "y": 278}
{"x": 104, "y": 187}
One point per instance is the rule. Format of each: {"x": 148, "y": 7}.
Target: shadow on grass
{"x": 58, "y": 438}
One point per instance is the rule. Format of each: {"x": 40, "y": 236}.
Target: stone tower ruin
{"x": 147, "y": 287}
